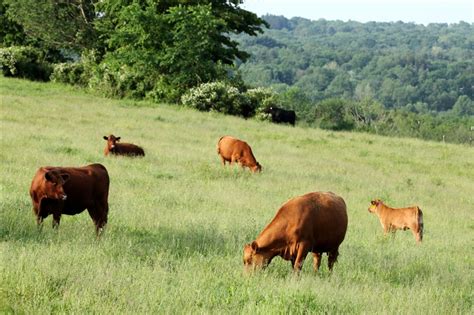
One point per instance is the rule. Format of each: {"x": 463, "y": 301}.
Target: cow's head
{"x": 268, "y": 110}
{"x": 257, "y": 168}
{"x": 374, "y": 204}
{"x": 111, "y": 141}
{"x": 54, "y": 184}
{"x": 255, "y": 257}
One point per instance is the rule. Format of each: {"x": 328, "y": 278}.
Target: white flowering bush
{"x": 220, "y": 97}
{"x": 261, "y": 99}
{"x": 69, "y": 72}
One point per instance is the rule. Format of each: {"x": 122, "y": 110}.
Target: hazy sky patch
{"x": 418, "y": 11}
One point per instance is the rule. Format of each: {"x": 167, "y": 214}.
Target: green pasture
{"x": 178, "y": 220}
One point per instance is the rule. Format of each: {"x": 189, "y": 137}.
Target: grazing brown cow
{"x": 116, "y": 148}
{"x": 315, "y": 222}
{"x": 71, "y": 190}
{"x": 234, "y": 150}
{"x": 393, "y": 219}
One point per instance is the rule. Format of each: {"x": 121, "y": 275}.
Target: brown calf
{"x": 114, "y": 147}
{"x": 71, "y": 190}
{"x": 234, "y": 150}
{"x": 315, "y": 222}
{"x": 393, "y": 219}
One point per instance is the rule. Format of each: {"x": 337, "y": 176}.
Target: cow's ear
{"x": 48, "y": 176}
{"x": 65, "y": 177}
{"x": 254, "y": 246}
{"x": 117, "y": 138}
{"x": 106, "y": 138}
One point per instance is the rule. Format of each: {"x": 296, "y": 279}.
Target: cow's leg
{"x": 56, "y": 219}
{"x": 332, "y": 258}
{"x": 99, "y": 216}
{"x": 39, "y": 218}
{"x": 41, "y": 212}
{"x": 417, "y": 233}
{"x": 39, "y": 221}
{"x": 222, "y": 160}
{"x": 303, "y": 250}
{"x": 316, "y": 261}
{"x": 235, "y": 158}
{"x": 386, "y": 229}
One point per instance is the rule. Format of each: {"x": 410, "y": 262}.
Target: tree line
{"x": 397, "y": 79}
{"x": 125, "y": 48}
{"x": 424, "y": 68}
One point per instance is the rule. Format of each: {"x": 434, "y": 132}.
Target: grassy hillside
{"x": 178, "y": 220}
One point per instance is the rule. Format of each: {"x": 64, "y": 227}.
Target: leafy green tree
{"x": 175, "y": 44}
{"x": 57, "y": 23}
{"x": 367, "y": 114}
{"x": 333, "y": 114}
{"x": 464, "y": 106}
{"x": 295, "y": 98}
{"x": 11, "y": 33}
{"x": 178, "y": 46}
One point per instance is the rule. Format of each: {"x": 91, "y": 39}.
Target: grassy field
{"x": 178, "y": 220}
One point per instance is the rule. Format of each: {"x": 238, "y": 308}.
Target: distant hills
{"x": 426, "y": 69}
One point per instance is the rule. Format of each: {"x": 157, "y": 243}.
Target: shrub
{"x": 163, "y": 90}
{"x": 261, "y": 99}
{"x": 117, "y": 80}
{"x": 220, "y": 97}
{"x": 24, "y": 62}
{"x": 70, "y": 73}
{"x": 333, "y": 114}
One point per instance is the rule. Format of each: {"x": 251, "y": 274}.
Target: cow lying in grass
{"x": 114, "y": 147}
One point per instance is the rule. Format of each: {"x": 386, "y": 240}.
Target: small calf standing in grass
{"x": 116, "y": 148}
{"x": 234, "y": 150}
{"x": 393, "y": 219}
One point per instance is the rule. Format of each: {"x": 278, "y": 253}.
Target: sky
{"x": 417, "y": 11}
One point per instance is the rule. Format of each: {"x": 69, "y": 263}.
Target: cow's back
{"x": 227, "y": 146}
{"x": 87, "y": 186}
{"x": 319, "y": 218}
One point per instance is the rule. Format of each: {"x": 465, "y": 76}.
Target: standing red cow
{"x": 71, "y": 190}
{"x": 114, "y": 147}
{"x": 234, "y": 150}
{"x": 315, "y": 222}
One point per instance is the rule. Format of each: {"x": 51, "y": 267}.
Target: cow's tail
{"x": 217, "y": 147}
{"x": 419, "y": 219}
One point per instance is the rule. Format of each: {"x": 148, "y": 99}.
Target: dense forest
{"x": 397, "y": 79}
{"x": 424, "y": 68}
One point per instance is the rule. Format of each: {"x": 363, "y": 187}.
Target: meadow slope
{"x": 178, "y": 220}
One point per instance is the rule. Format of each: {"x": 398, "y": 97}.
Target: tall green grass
{"x": 178, "y": 220}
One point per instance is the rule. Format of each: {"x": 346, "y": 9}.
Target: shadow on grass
{"x": 218, "y": 171}
{"x": 177, "y": 243}
{"x": 122, "y": 240}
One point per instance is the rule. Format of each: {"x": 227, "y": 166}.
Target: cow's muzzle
{"x": 63, "y": 197}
